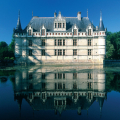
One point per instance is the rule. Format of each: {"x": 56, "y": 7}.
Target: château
{"x": 60, "y": 39}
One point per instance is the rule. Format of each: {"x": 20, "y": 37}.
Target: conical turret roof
{"x": 18, "y": 27}
{"x": 101, "y": 25}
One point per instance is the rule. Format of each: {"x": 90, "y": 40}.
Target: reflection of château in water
{"x": 59, "y": 89}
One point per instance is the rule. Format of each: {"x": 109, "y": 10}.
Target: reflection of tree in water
{"x": 4, "y": 74}
{"x": 113, "y": 81}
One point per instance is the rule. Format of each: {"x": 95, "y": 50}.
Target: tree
{"x": 11, "y": 48}
{"x": 3, "y": 50}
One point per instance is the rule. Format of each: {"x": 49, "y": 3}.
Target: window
{"x": 30, "y": 76}
{"x": 55, "y": 42}
{"x": 43, "y": 85}
{"x": 89, "y": 31}
{"x": 63, "y": 75}
{"x": 89, "y": 42}
{"x": 74, "y": 42}
{"x": 30, "y": 42}
{"x": 75, "y": 96}
{"x": 55, "y": 86}
{"x": 43, "y": 95}
{"x": 59, "y": 42}
{"x": 59, "y": 102}
{"x": 55, "y": 25}
{"x": 89, "y": 96}
{"x": 59, "y": 75}
{"x": 59, "y": 52}
{"x": 89, "y": 51}
{"x": 55, "y": 75}
{"x": 43, "y": 32}
{"x": 64, "y": 52}
{"x": 59, "y": 85}
{"x": 75, "y": 31}
{"x": 89, "y": 85}
{"x": 63, "y": 86}
{"x": 55, "y": 102}
{"x": 89, "y": 75}
{"x": 74, "y": 75}
{"x": 29, "y": 32}
{"x": 63, "y": 42}
{"x": 55, "y": 52}
{"x": 43, "y": 75}
{"x": 30, "y": 52}
{"x": 43, "y": 52}
{"x": 63, "y": 25}
{"x": 59, "y": 24}
{"x": 74, "y": 52}
{"x": 43, "y": 42}
{"x": 74, "y": 85}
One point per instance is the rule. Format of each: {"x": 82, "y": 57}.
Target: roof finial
{"x": 87, "y": 13}
{"x": 32, "y": 13}
{"x": 100, "y": 15}
{"x": 19, "y": 14}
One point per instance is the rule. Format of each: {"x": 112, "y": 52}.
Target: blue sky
{"x": 46, "y": 8}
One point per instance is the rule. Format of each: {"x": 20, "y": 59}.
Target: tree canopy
{"x": 113, "y": 45}
{"x": 7, "y": 51}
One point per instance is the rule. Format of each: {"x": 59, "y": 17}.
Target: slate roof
{"x": 37, "y": 22}
{"x": 101, "y": 26}
{"x": 18, "y": 27}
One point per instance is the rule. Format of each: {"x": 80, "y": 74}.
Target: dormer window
{"x": 55, "y": 25}
{"x": 43, "y": 32}
{"x": 29, "y": 32}
{"x": 89, "y": 31}
{"x": 75, "y": 32}
{"x": 63, "y": 25}
{"x": 59, "y": 25}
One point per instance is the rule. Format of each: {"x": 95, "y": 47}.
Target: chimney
{"x": 59, "y": 14}
{"x": 79, "y": 15}
{"x": 96, "y": 27}
{"x": 55, "y": 14}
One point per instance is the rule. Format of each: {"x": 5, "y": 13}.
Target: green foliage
{"x": 6, "y": 58}
{"x": 3, "y": 50}
{"x": 113, "y": 45}
{"x": 113, "y": 81}
{"x": 7, "y": 52}
{"x": 12, "y": 58}
{"x": 11, "y": 48}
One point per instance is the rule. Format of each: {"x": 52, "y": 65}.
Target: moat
{"x": 60, "y": 92}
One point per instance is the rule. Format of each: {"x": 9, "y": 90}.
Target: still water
{"x": 60, "y": 93}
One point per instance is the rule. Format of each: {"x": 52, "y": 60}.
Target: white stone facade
{"x": 79, "y": 43}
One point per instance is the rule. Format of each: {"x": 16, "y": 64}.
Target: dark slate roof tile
{"x": 37, "y": 22}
